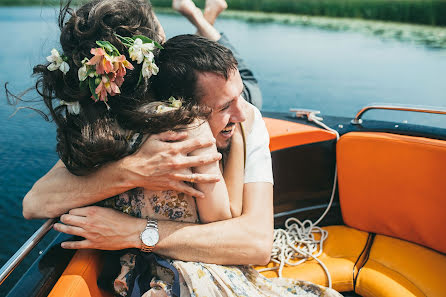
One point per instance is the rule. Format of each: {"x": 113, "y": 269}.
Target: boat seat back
{"x": 394, "y": 185}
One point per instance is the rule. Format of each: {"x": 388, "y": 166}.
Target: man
{"x": 246, "y": 239}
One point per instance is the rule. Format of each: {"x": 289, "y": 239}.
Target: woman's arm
{"x": 215, "y": 205}
{"x": 243, "y": 240}
{"x": 233, "y": 172}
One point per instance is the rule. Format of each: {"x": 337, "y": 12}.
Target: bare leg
{"x": 196, "y": 17}
{"x": 213, "y": 8}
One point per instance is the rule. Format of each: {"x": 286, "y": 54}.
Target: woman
{"x": 98, "y": 91}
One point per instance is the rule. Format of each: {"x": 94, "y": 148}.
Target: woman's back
{"x": 159, "y": 205}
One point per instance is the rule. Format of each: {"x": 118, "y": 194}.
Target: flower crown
{"x": 104, "y": 72}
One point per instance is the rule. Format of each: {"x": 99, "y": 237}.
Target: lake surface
{"x": 335, "y": 72}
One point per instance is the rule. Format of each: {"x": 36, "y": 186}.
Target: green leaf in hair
{"x": 92, "y": 85}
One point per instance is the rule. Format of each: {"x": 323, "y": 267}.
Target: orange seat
{"x": 340, "y": 252}
{"x": 400, "y": 268}
{"x": 390, "y": 185}
{"x": 394, "y": 185}
{"x": 80, "y": 277}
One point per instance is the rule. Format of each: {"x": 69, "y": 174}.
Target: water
{"x": 335, "y": 72}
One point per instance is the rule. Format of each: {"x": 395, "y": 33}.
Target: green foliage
{"x": 428, "y": 12}
{"x": 37, "y": 2}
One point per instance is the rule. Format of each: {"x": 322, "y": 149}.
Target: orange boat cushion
{"x": 394, "y": 185}
{"x": 400, "y": 268}
{"x": 284, "y": 134}
{"x": 340, "y": 252}
{"x": 80, "y": 277}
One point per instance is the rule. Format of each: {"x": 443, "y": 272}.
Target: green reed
{"x": 428, "y": 12}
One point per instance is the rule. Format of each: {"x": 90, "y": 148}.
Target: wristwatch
{"x": 149, "y": 237}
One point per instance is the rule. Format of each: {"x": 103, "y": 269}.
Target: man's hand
{"x": 103, "y": 228}
{"x": 161, "y": 161}
{"x": 160, "y": 164}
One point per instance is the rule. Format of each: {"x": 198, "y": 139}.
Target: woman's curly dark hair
{"x": 97, "y": 134}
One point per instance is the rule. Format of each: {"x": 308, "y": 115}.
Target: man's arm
{"x": 157, "y": 166}
{"x": 59, "y": 190}
{"x": 243, "y": 240}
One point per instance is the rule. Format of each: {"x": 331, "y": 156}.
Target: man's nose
{"x": 238, "y": 114}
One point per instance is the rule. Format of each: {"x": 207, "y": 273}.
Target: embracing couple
{"x": 163, "y": 128}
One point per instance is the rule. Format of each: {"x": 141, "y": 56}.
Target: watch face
{"x": 150, "y": 237}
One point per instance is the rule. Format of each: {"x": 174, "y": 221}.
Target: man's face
{"x": 224, "y": 97}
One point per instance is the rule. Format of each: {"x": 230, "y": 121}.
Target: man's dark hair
{"x": 182, "y": 58}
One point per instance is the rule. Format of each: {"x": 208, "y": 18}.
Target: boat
{"x": 380, "y": 187}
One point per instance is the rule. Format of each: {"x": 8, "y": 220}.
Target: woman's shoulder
{"x": 199, "y": 127}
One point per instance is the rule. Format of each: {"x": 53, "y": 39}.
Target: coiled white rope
{"x": 296, "y": 244}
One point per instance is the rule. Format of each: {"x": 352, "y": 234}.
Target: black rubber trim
{"x": 343, "y": 126}
{"x": 364, "y": 256}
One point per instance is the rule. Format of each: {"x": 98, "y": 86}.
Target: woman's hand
{"x": 103, "y": 228}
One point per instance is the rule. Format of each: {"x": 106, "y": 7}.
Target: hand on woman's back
{"x": 160, "y": 162}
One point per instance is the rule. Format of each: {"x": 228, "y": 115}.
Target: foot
{"x": 213, "y": 8}
{"x": 185, "y": 7}
{"x": 196, "y": 18}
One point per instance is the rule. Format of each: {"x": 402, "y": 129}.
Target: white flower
{"x": 72, "y": 107}
{"x": 55, "y": 57}
{"x": 64, "y": 67}
{"x": 82, "y": 73}
{"x": 149, "y": 68}
{"x": 163, "y": 108}
{"x": 139, "y": 50}
{"x": 57, "y": 62}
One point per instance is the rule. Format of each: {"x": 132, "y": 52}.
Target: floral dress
{"x": 197, "y": 279}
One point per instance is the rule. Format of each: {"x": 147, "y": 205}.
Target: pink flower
{"x": 120, "y": 64}
{"x": 107, "y": 85}
{"x": 112, "y": 87}
{"x": 103, "y": 62}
